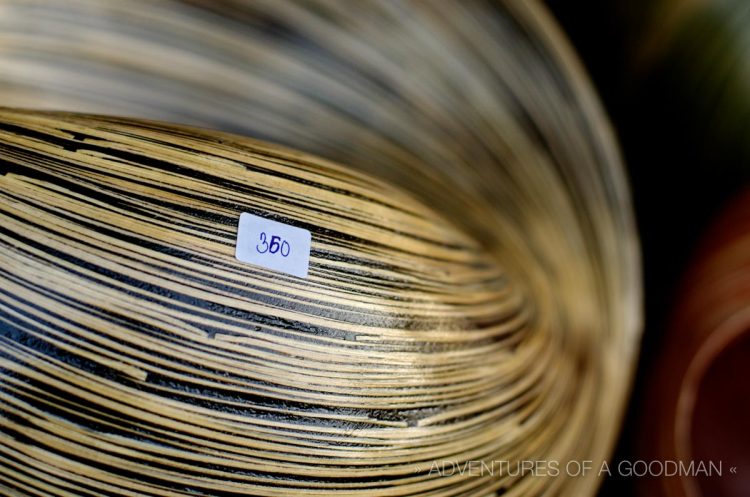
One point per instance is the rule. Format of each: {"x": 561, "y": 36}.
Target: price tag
{"x": 273, "y": 245}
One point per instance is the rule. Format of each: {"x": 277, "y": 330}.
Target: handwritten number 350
{"x": 276, "y": 245}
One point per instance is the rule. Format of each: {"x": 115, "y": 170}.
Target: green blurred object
{"x": 703, "y": 67}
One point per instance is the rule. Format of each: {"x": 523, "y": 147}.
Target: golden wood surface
{"x": 490, "y": 312}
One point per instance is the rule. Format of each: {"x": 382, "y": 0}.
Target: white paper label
{"x": 273, "y": 245}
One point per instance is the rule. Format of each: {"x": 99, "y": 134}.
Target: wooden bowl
{"x": 475, "y": 297}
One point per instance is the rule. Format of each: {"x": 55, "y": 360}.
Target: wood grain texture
{"x": 138, "y": 353}
{"x": 480, "y": 112}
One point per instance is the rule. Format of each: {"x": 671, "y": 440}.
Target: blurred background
{"x": 674, "y": 77}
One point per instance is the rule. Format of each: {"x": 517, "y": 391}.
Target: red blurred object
{"x": 699, "y": 405}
